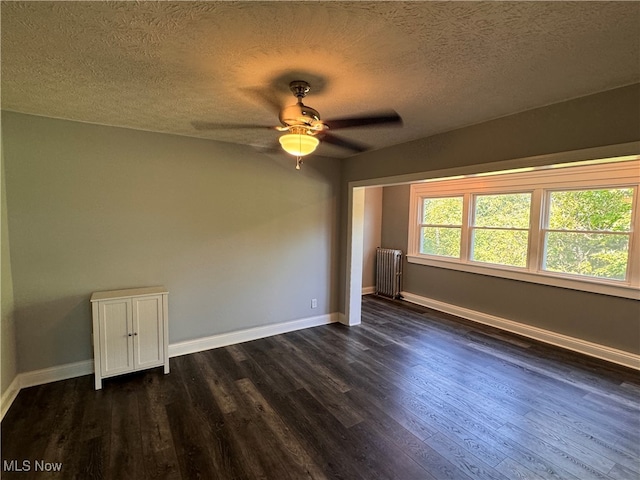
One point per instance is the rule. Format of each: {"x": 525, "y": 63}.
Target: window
{"x": 500, "y": 232}
{"x": 441, "y": 226}
{"x": 588, "y": 232}
{"x": 572, "y": 225}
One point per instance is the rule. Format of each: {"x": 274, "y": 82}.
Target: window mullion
{"x": 415, "y": 227}
{"x": 465, "y": 235}
{"x": 536, "y": 231}
{"x": 634, "y": 240}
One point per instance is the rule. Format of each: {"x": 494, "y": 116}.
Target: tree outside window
{"x": 441, "y": 226}
{"x": 588, "y": 232}
{"x": 501, "y": 229}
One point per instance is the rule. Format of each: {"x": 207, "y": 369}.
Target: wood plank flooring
{"x": 410, "y": 394}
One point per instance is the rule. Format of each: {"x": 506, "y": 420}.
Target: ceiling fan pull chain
{"x": 298, "y": 162}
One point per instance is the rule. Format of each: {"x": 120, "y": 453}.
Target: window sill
{"x": 555, "y": 280}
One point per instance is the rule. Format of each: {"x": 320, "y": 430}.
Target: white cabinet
{"x": 130, "y": 331}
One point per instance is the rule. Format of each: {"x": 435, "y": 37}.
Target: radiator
{"x": 388, "y": 272}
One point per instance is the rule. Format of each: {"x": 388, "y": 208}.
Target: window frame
{"x": 473, "y": 227}
{"x": 545, "y": 229}
{"x": 422, "y": 225}
{"x": 540, "y": 181}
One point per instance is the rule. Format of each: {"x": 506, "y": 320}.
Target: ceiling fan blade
{"x": 344, "y": 143}
{"x": 198, "y": 125}
{"x": 384, "y": 118}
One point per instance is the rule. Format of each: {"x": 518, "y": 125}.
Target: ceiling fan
{"x": 303, "y": 129}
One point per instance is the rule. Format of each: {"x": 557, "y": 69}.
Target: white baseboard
{"x": 368, "y": 290}
{"x": 602, "y": 352}
{"x": 9, "y": 395}
{"x": 39, "y": 377}
{"x": 53, "y": 374}
{"x": 231, "y": 338}
{"x": 85, "y": 367}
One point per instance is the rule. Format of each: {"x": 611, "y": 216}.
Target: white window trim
{"x": 616, "y": 172}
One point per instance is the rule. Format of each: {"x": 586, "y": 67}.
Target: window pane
{"x": 593, "y": 254}
{"x": 442, "y": 211}
{"x": 440, "y": 241}
{"x": 591, "y": 210}
{"x": 506, "y": 210}
{"x": 503, "y": 247}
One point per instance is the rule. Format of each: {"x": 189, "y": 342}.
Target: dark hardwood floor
{"x": 410, "y": 394}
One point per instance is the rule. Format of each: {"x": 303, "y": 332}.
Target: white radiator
{"x": 388, "y": 272}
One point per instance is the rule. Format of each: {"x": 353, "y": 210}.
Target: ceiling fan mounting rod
{"x": 300, "y": 88}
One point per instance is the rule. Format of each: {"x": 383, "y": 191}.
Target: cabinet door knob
{"x": 130, "y": 334}
{"x": 135, "y": 333}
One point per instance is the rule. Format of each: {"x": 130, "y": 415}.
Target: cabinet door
{"x": 148, "y": 331}
{"x": 116, "y": 340}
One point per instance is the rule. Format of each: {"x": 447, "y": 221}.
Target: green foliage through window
{"x": 441, "y": 230}
{"x": 495, "y": 238}
{"x": 442, "y": 211}
{"x": 506, "y": 210}
{"x": 608, "y": 210}
{"x": 591, "y": 232}
{"x": 502, "y": 247}
{"x": 443, "y": 241}
{"x": 592, "y": 254}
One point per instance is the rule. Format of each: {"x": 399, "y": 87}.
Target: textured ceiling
{"x": 162, "y": 66}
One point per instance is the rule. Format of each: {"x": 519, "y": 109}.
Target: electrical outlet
{"x": 314, "y": 303}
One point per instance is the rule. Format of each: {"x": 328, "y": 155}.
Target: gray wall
{"x": 240, "y": 239}
{"x": 371, "y": 235}
{"x": 604, "y": 119}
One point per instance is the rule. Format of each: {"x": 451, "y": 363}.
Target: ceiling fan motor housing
{"x": 301, "y": 115}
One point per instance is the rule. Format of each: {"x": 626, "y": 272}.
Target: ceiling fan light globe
{"x": 298, "y": 144}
